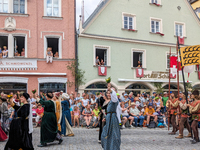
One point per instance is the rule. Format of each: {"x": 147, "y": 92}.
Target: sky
{"x": 90, "y": 6}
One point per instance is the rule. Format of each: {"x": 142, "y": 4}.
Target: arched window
{"x": 7, "y": 88}
{"x": 173, "y": 87}
{"x": 137, "y": 89}
{"x": 96, "y": 87}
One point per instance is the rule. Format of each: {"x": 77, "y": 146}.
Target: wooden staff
{"x": 169, "y": 91}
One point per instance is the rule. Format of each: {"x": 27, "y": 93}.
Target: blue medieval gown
{"x": 66, "y": 119}
{"x": 111, "y": 135}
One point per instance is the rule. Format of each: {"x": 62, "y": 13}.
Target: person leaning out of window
{"x": 5, "y": 52}
{"x": 49, "y": 55}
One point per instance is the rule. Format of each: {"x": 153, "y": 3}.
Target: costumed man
{"x": 173, "y": 105}
{"x": 194, "y": 108}
{"x": 184, "y": 119}
{"x": 49, "y": 128}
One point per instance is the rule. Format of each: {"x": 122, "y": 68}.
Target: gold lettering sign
{"x": 190, "y": 55}
{"x": 157, "y": 75}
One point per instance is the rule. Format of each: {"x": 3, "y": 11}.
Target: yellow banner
{"x": 190, "y": 55}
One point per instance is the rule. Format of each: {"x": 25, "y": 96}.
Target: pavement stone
{"x": 131, "y": 139}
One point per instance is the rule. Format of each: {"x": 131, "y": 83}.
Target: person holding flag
{"x": 184, "y": 119}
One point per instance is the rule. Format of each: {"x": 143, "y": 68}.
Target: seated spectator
{"x": 149, "y": 112}
{"x": 49, "y": 55}
{"x": 102, "y": 62}
{"x": 133, "y": 111}
{"x": 159, "y": 113}
{"x": 151, "y": 102}
{"x": 96, "y": 116}
{"x": 137, "y": 100}
{"x": 23, "y": 52}
{"x": 158, "y": 102}
{"x": 76, "y": 114}
{"x": 5, "y": 52}
{"x": 126, "y": 100}
{"x": 93, "y": 101}
{"x": 130, "y": 97}
{"x": 125, "y": 116}
{"x": 139, "y": 64}
{"x": 97, "y": 61}
{"x": 40, "y": 113}
{"x": 56, "y": 55}
{"x": 143, "y": 110}
{"x": 87, "y": 113}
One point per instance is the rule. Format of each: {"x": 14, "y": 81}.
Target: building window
{"x": 102, "y": 55}
{"x": 180, "y": 29}
{"x": 53, "y": 8}
{"x": 54, "y": 87}
{"x": 19, "y": 46}
{"x": 128, "y": 21}
{"x": 4, "y": 6}
{"x": 138, "y": 58}
{"x": 155, "y": 26}
{"x": 157, "y": 2}
{"x": 54, "y": 44}
{"x": 7, "y": 88}
{"x": 19, "y": 6}
{"x": 3, "y": 46}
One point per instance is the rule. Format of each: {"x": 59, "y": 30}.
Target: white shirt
{"x": 85, "y": 102}
{"x": 93, "y": 101}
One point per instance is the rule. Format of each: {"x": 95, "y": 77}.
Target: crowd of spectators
{"x": 137, "y": 110}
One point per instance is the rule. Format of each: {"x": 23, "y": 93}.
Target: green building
{"x": 123, "y": 32}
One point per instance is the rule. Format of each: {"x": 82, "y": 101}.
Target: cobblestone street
{"x": 132, "y": 139}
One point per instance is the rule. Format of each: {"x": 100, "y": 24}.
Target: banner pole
{"x": 169, "y": 89}
{"x": 179, "y": 109}
{"x": 186, "y": 93}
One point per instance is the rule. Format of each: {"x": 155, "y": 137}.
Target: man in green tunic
{"x": 49, "y": 127}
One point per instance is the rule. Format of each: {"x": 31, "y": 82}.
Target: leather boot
{"x": 172, "y": 133}
{"x": 179, "y": 136}
{"x": 194, "y": 141}
{"x": 189, "y": 135}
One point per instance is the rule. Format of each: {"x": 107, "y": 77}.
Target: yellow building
{"x": 196, "y": 6}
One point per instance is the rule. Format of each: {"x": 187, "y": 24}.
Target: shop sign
{"x": 156, "y": 75}
{"x": 18, "y": 64}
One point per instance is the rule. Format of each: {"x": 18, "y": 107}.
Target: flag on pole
{"x": 173, "y": 67}
{"x": 188, "y": 70}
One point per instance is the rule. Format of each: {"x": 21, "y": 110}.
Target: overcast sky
{"x": 90, "y": 5}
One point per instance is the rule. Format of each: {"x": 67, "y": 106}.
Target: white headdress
{"x": 65, "y": 96}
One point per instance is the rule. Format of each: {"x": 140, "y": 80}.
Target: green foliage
{"x": 158, "y": 86}
{"x": 77, "y": 73}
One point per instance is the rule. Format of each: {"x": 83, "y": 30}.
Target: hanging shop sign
{"x": 18, "y": 64}
{"x": 156, "y": 75}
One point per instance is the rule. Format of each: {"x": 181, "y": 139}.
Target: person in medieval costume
{"x": 3, "y": 135}
{"x": 173, "y": 105}
{"x": 21, "y": 128}
{"x": 66, "y": 129}
{"x": 49, "y": 128}
{"x": 194, "y": 109}
{"x": 57, "y": 100}
{"x": 111, "y": 135}
{"x": 4, "y": 114}
{"x": 184, "y": 119}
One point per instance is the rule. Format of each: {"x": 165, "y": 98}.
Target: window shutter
{"x": 159, "y": 2}
{"x": 184, "y": 30}
{"x": 122, "y": 20}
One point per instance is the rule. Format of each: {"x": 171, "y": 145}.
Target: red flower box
{"x": 156, "y": 4}
{"x": 131, "y": 29}
{"x": 160, "y": 33}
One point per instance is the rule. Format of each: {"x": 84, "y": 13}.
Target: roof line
{"x": 95, "y": 12}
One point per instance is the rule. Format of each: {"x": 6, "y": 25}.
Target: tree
{"x": 158, "y": 86}
{"x": 77, "y": 73}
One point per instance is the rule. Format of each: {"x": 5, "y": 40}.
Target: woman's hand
{"x": 104, "y": 120}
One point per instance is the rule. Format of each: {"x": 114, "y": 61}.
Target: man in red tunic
{"x": 184, "y": 118}
{"x": 173, "y": 112}
{"x": 194, "y": 108}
